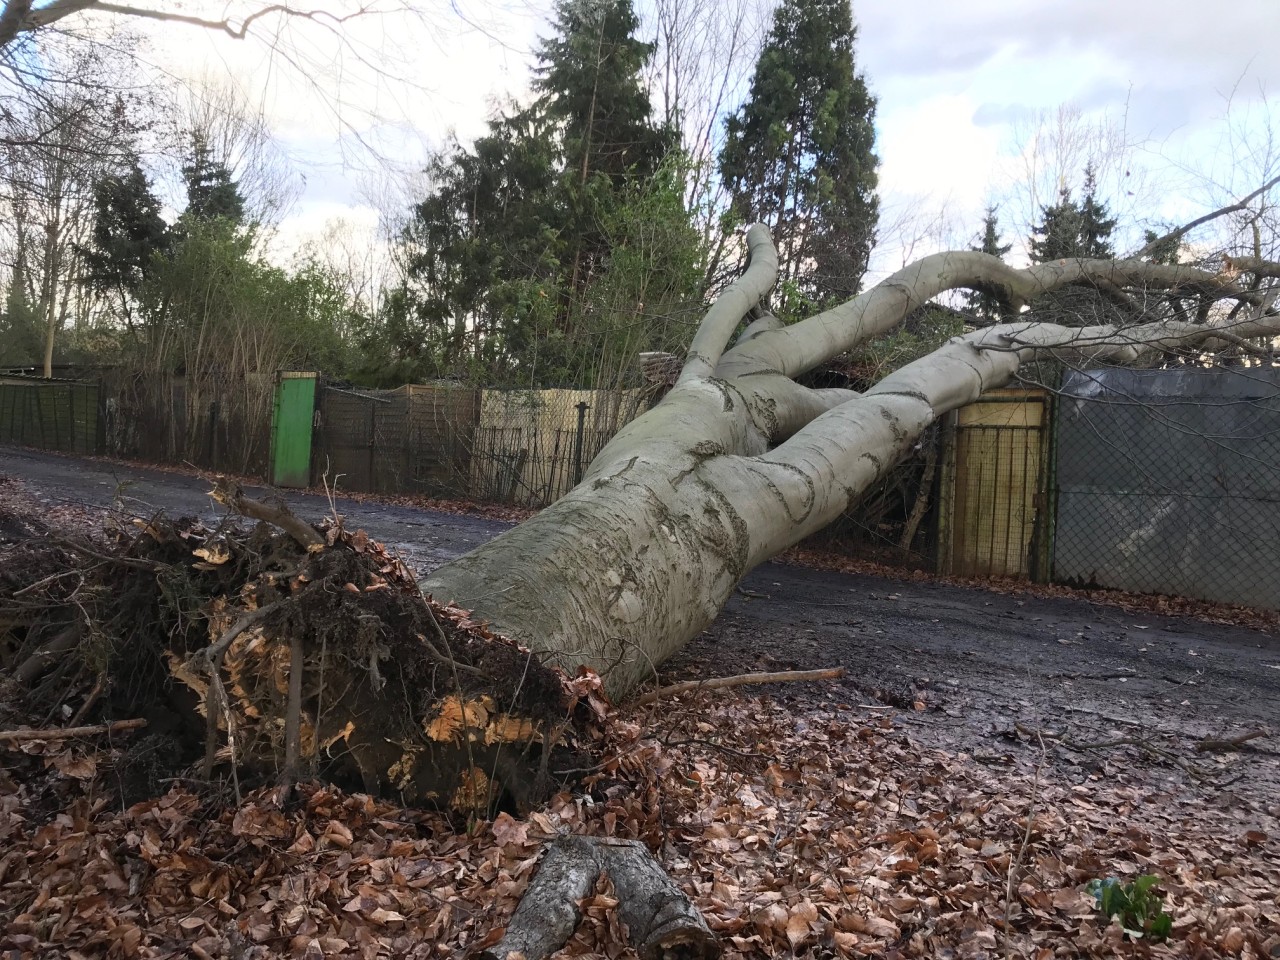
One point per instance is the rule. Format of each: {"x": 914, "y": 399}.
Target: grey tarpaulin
{"x": 1168, "y": 482}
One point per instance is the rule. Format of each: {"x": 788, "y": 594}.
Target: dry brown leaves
{"x": 827, "y": 834}
{"x": 24, "y": 514}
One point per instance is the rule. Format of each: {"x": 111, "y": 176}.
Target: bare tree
{"x": 706, "y": 50}
{"x": 52, "y": 152}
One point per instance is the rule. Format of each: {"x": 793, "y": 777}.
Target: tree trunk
{"x": 739, "y": 462}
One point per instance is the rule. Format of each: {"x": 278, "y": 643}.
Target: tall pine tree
{"x": 1069, "y": 230}
{"x": 984, "y": 306}
{"x": 1095, "y": 224}
{"x": 516, "y": 229}
{"x": 799, "y": 153}
{"x": 212, "y": 193}
{"x": 128, "y": 233}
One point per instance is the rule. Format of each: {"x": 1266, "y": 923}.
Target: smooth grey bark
{"x": 661, "y": 921}
{"x": 739, "y": 462}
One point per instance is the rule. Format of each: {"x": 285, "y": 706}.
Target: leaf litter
{"x": 826, "y": 833}
{"x": 809, "y": 828}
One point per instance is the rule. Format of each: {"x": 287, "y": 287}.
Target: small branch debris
{"x": 67, "y": 733}
{"x": 741, "y": 680}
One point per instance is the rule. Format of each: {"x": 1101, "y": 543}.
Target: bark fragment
{"x": 661, "y": 921}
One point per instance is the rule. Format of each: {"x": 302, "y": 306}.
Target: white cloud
{"x": 954, "y": 82}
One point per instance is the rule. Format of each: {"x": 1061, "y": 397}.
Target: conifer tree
{"x": 128, "y": 233}
{"x": 515, "y": 230}
{"x": 1069, "y": 230}
{"x": 212, "y": 193}
{"x": 1095, "y": 225}
{"x": 1057, "y": 236}
{"x": 982, "y": 305}
{"x": 799, "y": 153}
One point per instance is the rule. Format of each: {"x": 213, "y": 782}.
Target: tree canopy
{"x": 799, "y": 154}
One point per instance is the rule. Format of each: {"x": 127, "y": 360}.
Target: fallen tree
{"x": 740, "y": 461}
{"x": 309, "y": 649}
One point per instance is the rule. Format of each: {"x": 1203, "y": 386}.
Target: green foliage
{"x": 212, "y": 192}
{"x": 985, "y": 306}
{"x": 524, "y": 258}
{"x": 212, "y": 307}
{"x": 1070, "y": 230}
{"x": 589, "y": 78}
{"x": 1166, "y": 251}
{"x": 1138, "y": 907}
{"x": 128, "y": 232}
{"x": 799, "y": 153}
{"x": 21, "y": 326}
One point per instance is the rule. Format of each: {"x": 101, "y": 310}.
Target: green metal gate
{"x": 291, "y": 425}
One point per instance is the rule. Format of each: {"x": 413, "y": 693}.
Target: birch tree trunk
{"x": 739, "y": 462}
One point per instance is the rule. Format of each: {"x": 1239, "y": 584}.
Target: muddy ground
{"x": 1003, "y": 677}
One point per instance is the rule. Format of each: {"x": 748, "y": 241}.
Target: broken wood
{"x": 1230, "y": 743}
{"x": 741, "y": 680}
{"x": 661, "y": 921}
{"x": 66, "y": 733}
{"x": 226, "y": 491}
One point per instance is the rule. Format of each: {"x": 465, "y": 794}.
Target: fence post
{"x": 213, "y": 434}
{"x": 583, "y": 407}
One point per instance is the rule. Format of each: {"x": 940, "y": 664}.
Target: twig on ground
{"x": 1015, "y": 865}
{"x": 1230, "y": 743}
{"x": 66, "y": 733}
{"x": 745, "y": 679}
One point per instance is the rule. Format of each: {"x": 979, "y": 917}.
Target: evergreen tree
{"x": 128, "y": 233}
{"x": 589, "y": 79}
{"x": 984, "y": 306}
{"x": 502, "y": 252}
{"x": 1072, "y": 230}
{"x": 799, "y": 153}
{"x": 21, "y": 325}
{"x": 211, "y": 190}
{"x": 1095, "y": 226}
{"x": 1057, "y": 236}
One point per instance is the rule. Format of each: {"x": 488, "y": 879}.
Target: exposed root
{"x": 284, "y": 650}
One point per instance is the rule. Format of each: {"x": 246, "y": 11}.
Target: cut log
{"x": 661, "y": 921}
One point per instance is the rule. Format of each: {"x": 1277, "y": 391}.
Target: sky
{"x": 1173, "y": 93}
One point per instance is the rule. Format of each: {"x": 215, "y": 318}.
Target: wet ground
{"x": 1005, "y": 678}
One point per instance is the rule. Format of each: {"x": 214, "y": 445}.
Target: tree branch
{"x": 66, "y": 733}
{"x": 742, "y": 680}
{"x": 1182, "y": 231}
{"x": 19, "y": 17}
{"x": 731, "y": 306}
{"x": 227, "y": 491}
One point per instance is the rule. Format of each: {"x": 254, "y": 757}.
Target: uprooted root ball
{"x": 174, "y": 620}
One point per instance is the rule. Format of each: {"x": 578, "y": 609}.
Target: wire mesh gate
{"x": 993, "y": 515}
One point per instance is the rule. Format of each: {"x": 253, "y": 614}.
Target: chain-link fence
{"x": 1153, "y": 481}
{"x": 1168, "y": 481}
